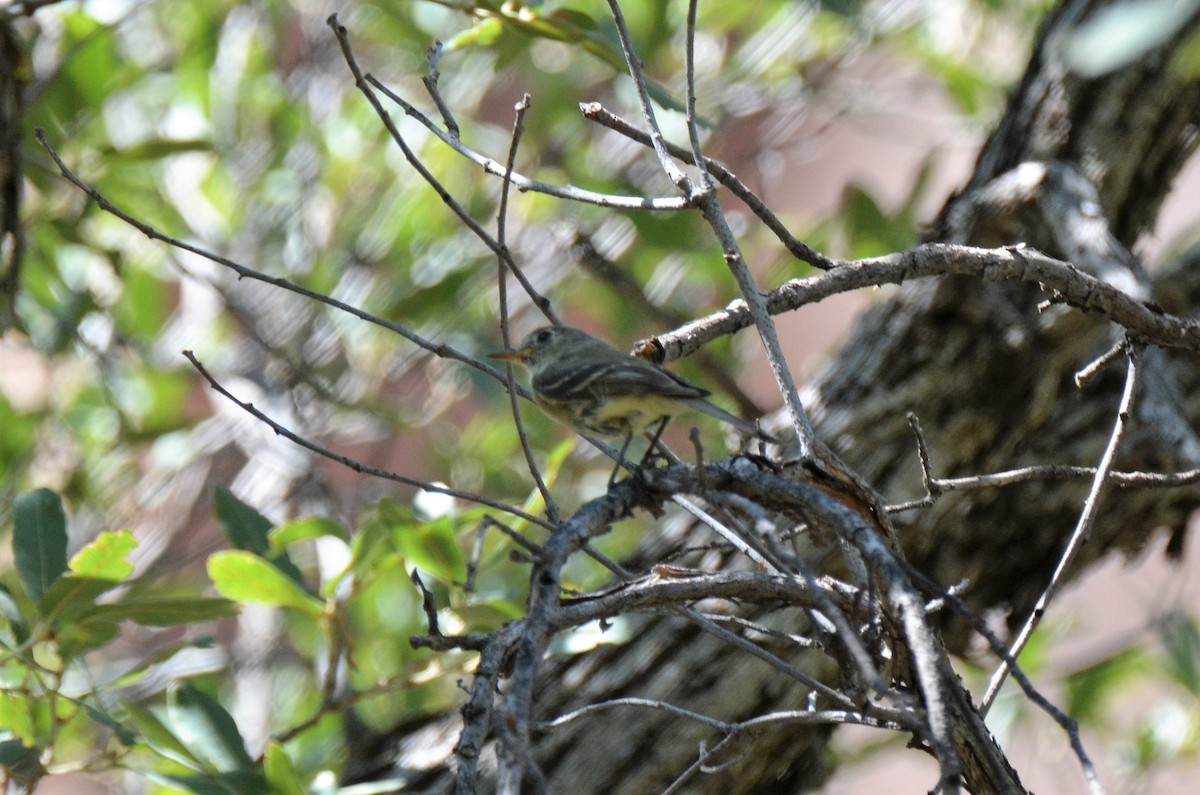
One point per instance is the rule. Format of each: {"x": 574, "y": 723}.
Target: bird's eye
{"x": 543, "y": 336}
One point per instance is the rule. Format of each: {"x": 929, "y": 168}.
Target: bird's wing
{"x": 616, "y": 379}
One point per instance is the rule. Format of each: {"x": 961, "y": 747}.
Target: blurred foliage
{"x": 237, "y": 128}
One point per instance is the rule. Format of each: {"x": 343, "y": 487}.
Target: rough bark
{"x": 992, "y": 379}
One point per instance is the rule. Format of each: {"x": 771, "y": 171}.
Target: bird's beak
{"x": 519, "y": 355}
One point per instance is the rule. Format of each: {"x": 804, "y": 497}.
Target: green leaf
{"x": 279, "y": 771}
{"x": 304, "y": 530}
{"x": 39, "y": 540}
{"x": 72, "y": 596}
{"x": 15, "y": 716}
{"x": 80, "y": 638}
{"x": 10, "y": 610}
{"x": 204, "y": 726}
{"x": 106, "y": 557}
{"x": 1089, "y": 689}
{"x": 245, "y": 527}
{"x": 870, "y": 232}
{"x": 166, "y": 611}
{"x": 248, "y": 529}
{"x": 244, "y": 577}
{"x": 13, "y": 752}
{"x": 432, "y": 547}
{"x": 235, "y": 782}
{"x": 159, "y": 737}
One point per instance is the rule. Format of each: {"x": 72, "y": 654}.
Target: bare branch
{"x": 1012, "y": 263}
{"x": 358, "y": 466}
{"x": 1087, "y": 518}
{"x": 524, "y": 183}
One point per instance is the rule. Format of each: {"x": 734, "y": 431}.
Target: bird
{"x": 597, "y": 389}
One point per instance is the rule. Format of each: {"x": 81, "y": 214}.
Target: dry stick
{"x": 808, "y": 503}
{"x": 633, "y": 65}
{"x": 364, "y": 85}
{"x": 932, "y": 489}
{"x": 1087, "y": 518}
{"x": 1008, "y": 263}
{"x": 706, "y": 199}
{"x": 524, "y": 183}
{"x": 477, "y": 712}
{"x": 358, "y": 466}
{"x": 1068, "y": 724}
{"x": 689, "y": 70}
{"x": 432, "y": 56}
{"x": 754, "y": 550}
{"x": 502, "y": 291}
{"x": 1122, "y": 480}
{"x": 442, "y": 350}
{"x": 1089, "y": 372}
{"x": 801, "y": 251}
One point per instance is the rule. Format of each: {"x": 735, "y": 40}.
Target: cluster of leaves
{"x": 61, "y": 710}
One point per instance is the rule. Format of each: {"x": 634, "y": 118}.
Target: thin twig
{"x": 432, "y": 56}
{"x": 705, "y": 198}
{"x": 428, "y": 604}
{"x": 801, "y": 251}
{"x": 503, "y": 268}
{"x": 689, "y": 57}
{"x": 358, "y": 466}
{"x": 634, "y": 66}
{"x": 1083, "y": 528}
{"x": 524, "y": 183}
{"x": 441, "y": 350}
{"x": 364, "y": 86}
{"x": 1108, "y": 357}
{"x": 932, "y": 489}
{"x": 1121, "y": 480}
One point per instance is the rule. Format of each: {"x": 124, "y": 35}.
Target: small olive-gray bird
{"x": 586, "y": 383}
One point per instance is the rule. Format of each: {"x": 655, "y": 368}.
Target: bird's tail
{"x": 712, "y": 410}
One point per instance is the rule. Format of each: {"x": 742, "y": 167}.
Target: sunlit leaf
{"x": 106, "y": 557}
{"x": 433, "y": 547}
{"x": 250, "y": 530}
{"x": 280, "y": 773}
{"x": 304, "y": 530}
{"x": 15, "y": 716}
{"x": 245, "y": 577}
